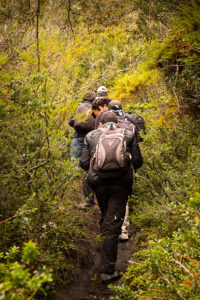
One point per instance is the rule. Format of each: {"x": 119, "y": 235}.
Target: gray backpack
{"x": 111, "y": 158}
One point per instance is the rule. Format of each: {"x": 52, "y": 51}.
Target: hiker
{"x": 95, "y": 109}
{"x": 102, "y": 91}
{"x": 82, "y": 127}
{"x": 102, "y": 100}
{"x": 102, "y": 103}
{"x": 116, "y": 107}
{"x": 83, "y": 124}
{"x": 113, "y": 185}
{"x": 136, "y": 120}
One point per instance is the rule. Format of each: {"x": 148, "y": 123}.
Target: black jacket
{"x": 88, "y": 150}
{"x": 88, "y": 123}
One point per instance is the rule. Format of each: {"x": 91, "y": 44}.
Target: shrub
{"x": 170, "y": 267}
{"x": 20, "y": 274}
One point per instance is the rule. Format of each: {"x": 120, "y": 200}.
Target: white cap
{"x": 102, "y": 89}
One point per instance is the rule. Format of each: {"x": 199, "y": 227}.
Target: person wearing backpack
{"x": 139, "y": 122}
{"x": 110, "y": 154}
{"x": 82, "y": 124}
{"x": 136, "y": 120}
{"x": 102, "y": 91}
{"x": 116, "y": 107}
{"x": 102, "y": 103}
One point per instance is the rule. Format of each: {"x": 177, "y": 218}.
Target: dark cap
{"x": 89, "y": 96}
{"x": 115, "y": 105}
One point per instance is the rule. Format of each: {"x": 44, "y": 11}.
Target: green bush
{"x": 165, "y": 210}
{"x": 168, "y": 268}
{"x": 21, "y": 274}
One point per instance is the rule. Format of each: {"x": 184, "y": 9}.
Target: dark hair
{"x": 95, "y": 105}
{"x": 108, "y": 116}
{"x": 101, "y": 101}
{"x": 89, "y": 96}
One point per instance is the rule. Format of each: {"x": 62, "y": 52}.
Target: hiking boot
{"x": 107, "y": 278}
{"x": 86, "y": 205}
{"x": 123, "y": 237}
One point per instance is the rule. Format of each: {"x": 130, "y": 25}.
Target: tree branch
{"x": 9, "y": 219}
{"x": 68, "y": 16}
{"x": 38, "y": 166}
{"x": 37, "y": 33}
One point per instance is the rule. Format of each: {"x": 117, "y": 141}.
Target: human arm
{"x": 85, "y": 155}
{"x": 137, "y": 159}
{"x": 86, "y": 126}
{"x": 135, "y": 152}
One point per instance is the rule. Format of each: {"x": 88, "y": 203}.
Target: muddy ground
{"x": 87, "y": 284}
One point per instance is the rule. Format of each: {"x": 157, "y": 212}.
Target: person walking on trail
{"x": 102, "y": 100}
{"x": 82, "y": 124}
{"x": 116, "y": 107}
{"x": 111, "y": 177}
{"x": 95, "y": 109}
{"x": 102, "y": 91}
{"x": 136, "y": 120}
{"x": 102, "y": 103}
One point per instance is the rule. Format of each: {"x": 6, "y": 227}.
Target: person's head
{"x": 103, "y": 103}
{"x": 95, "y": 108}
{"x": 108, "y": 116}
{"x": 102, "y": 91}
{"x": 116, "y": 107}
{"x": 89, "y": 96}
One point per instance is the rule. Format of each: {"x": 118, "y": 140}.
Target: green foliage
{"x": 20, "y": 275}
{"x": 178, "y": 57}
{"x": 38, "y": 181}
{"x": 168, "y": 268}
{"x": 165, "y": 211}
{"x": 138, "y": 49}
{"x": 195, "y": 201}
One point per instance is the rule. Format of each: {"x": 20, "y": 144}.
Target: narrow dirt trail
{"x": 87, "y": 284}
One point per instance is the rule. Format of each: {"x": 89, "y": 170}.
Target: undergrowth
{"x": 166, "y": 212}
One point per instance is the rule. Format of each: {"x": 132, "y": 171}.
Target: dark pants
{"x": 112, "y": 201}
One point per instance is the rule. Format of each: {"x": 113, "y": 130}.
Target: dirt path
{"x": 87, "y": 285}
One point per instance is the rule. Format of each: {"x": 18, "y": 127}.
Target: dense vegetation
{"x": 147, "y": 54}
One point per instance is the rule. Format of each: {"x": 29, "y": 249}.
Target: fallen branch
{"x": 153, "y": 297}
{"x": 167, "y": 280}
{"x": 4, "y": 221}
{"x": 184, "y": 268}
{"x": 38, "y": 166}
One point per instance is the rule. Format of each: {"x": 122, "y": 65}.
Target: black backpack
{"x": 111, "y": 158}
{"x": 139, "y": 123}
